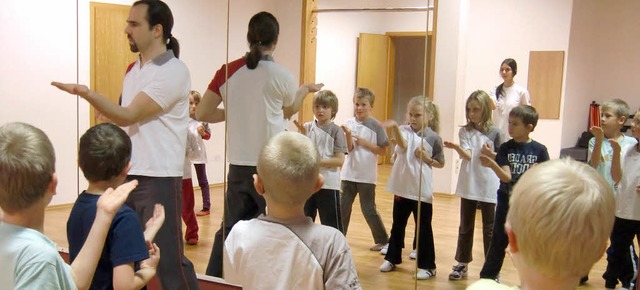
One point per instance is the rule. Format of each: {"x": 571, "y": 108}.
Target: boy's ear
{"x": 257, "y": 183}
{"x": 51, "y": 188}
{"x": 319, "y": 183}
{"x": 513, "y": 241}
{"x": 622, "y": 120}
{"x": 530, "y": 127}
{"x": 125, "y": 170}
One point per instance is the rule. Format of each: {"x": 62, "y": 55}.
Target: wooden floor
{"x": 445, "y": 225}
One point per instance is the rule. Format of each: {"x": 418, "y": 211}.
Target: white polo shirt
{"x": 253, "y": 101}
{"x": 159, "y": 144}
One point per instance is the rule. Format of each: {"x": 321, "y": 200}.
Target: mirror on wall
{"x": 385, "y": 47}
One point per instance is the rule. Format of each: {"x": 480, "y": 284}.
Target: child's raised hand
{"x": 420, "y": 152}
{"x": 154, "y": 224}
{"x": 486, "y": 149}
{"x": 300, "y": 127}
{"x": 346, "y": 130}
{"x": 154, "y": 257}
{"x": 485, "y": 160}
{"x": 112, "y": 200}
{"x": 615, "y": 145}
{"x": 389, "y": 123}
{"x": 449, "y": 145}
{"x": 597, "y": 132}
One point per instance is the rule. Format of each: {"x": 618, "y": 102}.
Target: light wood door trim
{"x": 308, "y": 55}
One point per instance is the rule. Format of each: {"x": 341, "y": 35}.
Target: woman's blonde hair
{"x": 429, "y": 107}
{"x": 484, "y": 100}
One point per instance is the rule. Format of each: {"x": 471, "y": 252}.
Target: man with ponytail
{"x": 154, "y": 109}
{"x": 259, "y": 94}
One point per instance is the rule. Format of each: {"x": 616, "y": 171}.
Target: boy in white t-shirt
{"x": 625, "y": 171}
{"x": 330, "y": 142}
{"x": 366, "y": 139}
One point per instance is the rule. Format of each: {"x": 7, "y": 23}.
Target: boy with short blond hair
{"x": 27, "y": 184}
{"x": 301, "y": 254}
{"x": 614, "y": 114}
{"x": 104, "y": 155}
{"x": 513, "y": 158}
{"x": 366, "y": 139}
{"x": 330, "y": 142}
{"x": 625, "y": 171}
{"x": 562, "y": 212}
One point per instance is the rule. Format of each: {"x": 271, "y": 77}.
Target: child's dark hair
{"x": 327, "y": 98}
{"x": 514, "y": 68}
{"x": 263, "y": 32}
{"x": 526, "y": 113}
{"x": 159, "y": 13}
{"x": 104, "y": 151}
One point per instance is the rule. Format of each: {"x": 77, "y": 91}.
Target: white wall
{"x": 603, "y": 62}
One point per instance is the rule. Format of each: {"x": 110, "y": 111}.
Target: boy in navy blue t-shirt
{"x": 127, "y": 261}
{"x": 512, "y": 159}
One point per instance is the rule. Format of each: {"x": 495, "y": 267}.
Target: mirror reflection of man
{"x": 154, "y": 111}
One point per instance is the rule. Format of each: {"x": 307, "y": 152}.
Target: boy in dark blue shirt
{"x": 127, "y": 261}
{"x": 512, "y": 159}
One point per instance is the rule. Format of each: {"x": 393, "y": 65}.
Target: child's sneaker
{"x": 459, "y": 272}
{"x": 387, "y": 266}
{"x": 424, "y": 274}
{"x": 378, "y": 247}
{"x": 384, "y": 249}
{"x": 413, "y": 255}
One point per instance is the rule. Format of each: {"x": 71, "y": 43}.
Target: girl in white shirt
{"x": 507, "y": 96}
{"x": 418, "y": 150}
{"x": 477, "y": 185}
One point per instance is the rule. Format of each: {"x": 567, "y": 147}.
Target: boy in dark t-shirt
{"x": 126, "y": 261}
{"x": 512, "y": 159}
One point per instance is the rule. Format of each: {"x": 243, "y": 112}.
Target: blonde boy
{"x": 330, "y": 142}
{"x": 284, "y": 249}
{"x": 366, "y": 139}
{"x": 614, "y": 115}
{"x": 562, "y": 212}
{"x": 27, "y": 184}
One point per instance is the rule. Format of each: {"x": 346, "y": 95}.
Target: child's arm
{"x": 486, "y": 150}
{"x": 348, "y": 137}
{"x": 378, "y": 150}
{"x": 400, "y": 141}
{"x": 125, "y": 278}
{"x": 301, "y": 93}
{"x": 336, "y": 161}
{"x": 84, "y": 266}
{"x": 504, "y": 173}
{"x": 596, "y": 153}
{"x": 154, "y": 224}
{"x": 616, "y": 166}
{"x": 463, "y": 153}
{"x": 423, "y": 156}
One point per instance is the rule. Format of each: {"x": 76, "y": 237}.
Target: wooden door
{"x": 373, "y": 72}
{"x": 110, "y": 53}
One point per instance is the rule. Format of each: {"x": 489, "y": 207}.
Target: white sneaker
{"x": 384, "y": 249}
{"x": 413, "y": 255}
{"x": 387, "y": 266}
{"x": 424, "y": 274}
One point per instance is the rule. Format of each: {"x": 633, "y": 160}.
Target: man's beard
{"x": 133, "y": 47}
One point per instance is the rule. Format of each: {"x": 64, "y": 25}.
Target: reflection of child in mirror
{"x": 418, "y": 150}
{"x": 199, "y": 156}
{"x": 330, "y": 142}
{"x": 477, "y": 185}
